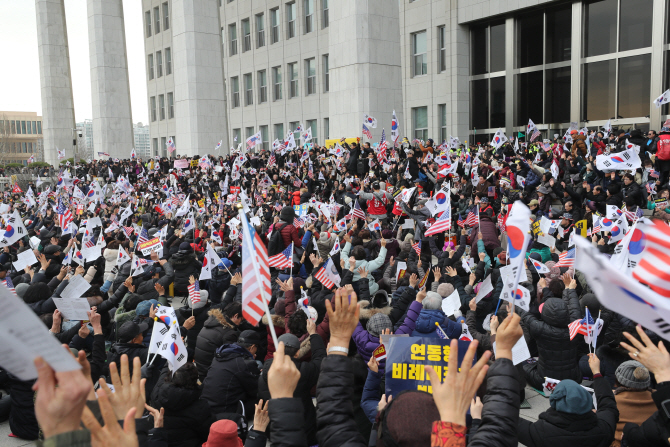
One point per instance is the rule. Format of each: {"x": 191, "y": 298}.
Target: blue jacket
{"x": 425, "y": 324}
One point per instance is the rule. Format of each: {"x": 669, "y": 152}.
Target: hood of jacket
{"x": 174, "y": 398}
{"x": 217, "y": 318}
{"x": 182, "y": 258}
{"x": 555, "y": 313}
{"x": 277, "y": 320}
{"x": 230, "y": 352}
{"x": 579, "y": 137}
{"x": 427, "y": 319}
{"x": 367, "y": 312}
{"x": 110, "y": 255}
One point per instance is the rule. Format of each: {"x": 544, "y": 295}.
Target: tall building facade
{"x": 447, "y": 67}
{"x": 20, "y": 137}
{"x": 86, "y": 127}
{"x": 142, "y": 135}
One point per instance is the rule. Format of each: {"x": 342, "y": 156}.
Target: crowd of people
{"x": 362, "y": 263}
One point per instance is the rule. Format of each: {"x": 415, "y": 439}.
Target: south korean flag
{"x": 14, "y": 229}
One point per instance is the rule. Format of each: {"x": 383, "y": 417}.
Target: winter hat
{"x": 280, "y": 307}
{"x": 407, "y": 419}
{"x": 290, "y": 340}
{"x": 21, "y": 288}
{"x": 377, "y": 323}
{"x": 287, "y": 214}
{"x": 536, "y": 256}
{"x": 204, "y": 296}
{"x": 185, "y": 246}
{"x": 444, "y": 290}
{"x": 297, "y": 283}
{"x": 589, "y": 300}
{"x": 633, "y": 374}
{"x": 227, "y": 262}
{"x": 223, "y": 433}
{"x": 143, "y": 308}
{"x": 569, "y": 397}
{"x": 324, "y": 236}
{"x": 408, "y": 237}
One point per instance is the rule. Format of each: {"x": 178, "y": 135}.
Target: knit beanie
{"x": 633, "y": 374}
{"x": 408, "y": 418}
{"x": 280, "y": 307}
{"x": 377, "y": 323}
{"x": 445, "y": 289}
{"x": 570, "y": 397}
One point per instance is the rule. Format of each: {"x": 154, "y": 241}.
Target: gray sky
{"x": 20, "y": 76}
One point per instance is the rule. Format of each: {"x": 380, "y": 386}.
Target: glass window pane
{"x": 497, "y": 47}
{"x": 636, "y": 27}
{"x": 420, "y": 43}
{"x": 529, "y": 87}
{"x": 557, "y": 101}
{"x": 599, "y": 84}
{"x": 478, "y": 49}
{"x": 600, "y": 27}
{"x": 479, "y": 104}
{"x": 498, "y": 102}
{"x": 559, "y": 31}
{"x": 634, "y": 86}
{"x": 421, "y": 117}
{"x": 529, "y": 32}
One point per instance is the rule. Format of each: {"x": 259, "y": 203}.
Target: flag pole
{"x": 291, "y": 274}
{"x": 265, "y": 301}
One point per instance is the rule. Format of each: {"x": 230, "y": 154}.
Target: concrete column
{"x": 200, "y": 101}
{"x": 365, "y": 72}
{"x": 510, "y": 97}
{"x": 110, "y": 86}
{"x": 576, "y": 64}
{"x": 656, "y": 85}
{"x": 56, "y": 83}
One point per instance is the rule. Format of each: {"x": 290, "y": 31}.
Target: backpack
{"x": 276, "y": 242}
{"x": 663, "y": 151}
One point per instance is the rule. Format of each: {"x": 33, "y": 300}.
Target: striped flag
{"x": 417, "y": 248}
{"x": 256, "y": 289}
{"x": 143, "y": 237}
{"x": 7, "y": 282}
{"x": 128, "y": 230}
{"x": 194, "y": 292}
{"x": 322, "y": 275}
{"x": 272, "y": 161}
{"x": 460, "y": 222}
{"x": 358, "y": 213}
{"x": 473, "y": 217}
{"x": 535, "y": 135}
{"x": 64, "y": 215}
{"x": 442, "y": 224}
{"x": 298, "y": 222}
{"x": 581, "y": 326}
{"x": 282, "y": 260}
{"x": 654, "y": 268}
{"x": 366, "y": 132}
{"x": 566, "y": 259}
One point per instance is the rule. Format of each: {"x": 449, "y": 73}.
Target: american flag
{"x": 653, "y": 268}
{"x": 258, "y": 197}
{"x": 417, "y": 248}
{"x": 566, "y": 259}
{"x": 358, "y": 213}
{"x": 501, "y": 222}
{"x": 381, "y": 154}
{"x": 473, "y": 217}
{"x": 103, "y": 154}
{"x": 383, "y": 140}
{"x": 366, "y": 132}
{"x": 170, "y": 145}
{"x": 596, "y": 227}
{"x": 278, "y": 206}
{"x": 581, "y": 326}
{"x": 64, "y": 215}
{"x": 666, "y": 123}
{"x": 194, "y": 292}
{"x": 322, "y": 278}
{"x": 630, "y": 215}
{"x": 460, "y": 222}
{"x": 535, "y": 135}
{"x": 442, "y": 224}
{"x": 282, "y": 260}
{"x": 653, "y": 174}
{"x": 128, "y": 230}
{"x": 254, "y": 267}
{"x": 297, "y": 183}
{"x": 272, "y": 161}
{"x": 298, "y": 222}
{"x": 143, "y": 237}
{"x": 7, "y": 282}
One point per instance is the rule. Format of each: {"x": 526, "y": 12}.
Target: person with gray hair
{"x": 432, "y": 313}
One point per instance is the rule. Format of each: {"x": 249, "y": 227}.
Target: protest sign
{"x": 150, "y": 246}
{"x": 24, "y": 259}
{"x": 73, "y": 308}
{"x": 181, "y": 164}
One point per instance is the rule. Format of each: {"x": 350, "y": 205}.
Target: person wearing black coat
{"x": 233, "y": 377}
{"x": 184, "y": 264}
{"x": 221, "y": 328}
{"x": 309, "y": 376}
{"x": 558, "y": 355}
{"x": 200, "y": 313}
{"x": 187, "y": 415}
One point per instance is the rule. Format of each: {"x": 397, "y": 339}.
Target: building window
{"x": 166, "y": 16}
{"x": 419, "y": 59}
{"x": 310, "y": 75}
{"x": 558, "y": 35}
{"x": 309, "y": 16}
{"x": 23, "y": 128}
{"x": 636, "y": 25}
{"x": 157, "y": 20}
{"x": 163, "y": 144}
{"x": 326, "y": 129}
{"x": 246, "y": 35}
{"x": 235, "y": 91}
{"x": 232, "y": 31}
{"x": 260, "y": 30}
{"x": 262, "y": 86}
{"x": 324, "y": 19}
{"x": 528, "y": 104}
{"x": 634, "y": 85}
{"x": 147, "y": 23}
{"x": 497, "y": 89}
{"x": 13, "y": 127}
{"x": 599, "y": 83}
{"x": 276, "y": 83}
{"x": 296, "y": 135}
{"x": 170, "y": 97}
{"x": 487, "y": 48}
{"x": 264, "y": 137}
{"x": 290, "y": 20}
{"x": 168, "y": 61}
{"x": 39, "y": 127}
{"x": 293, "y": 79}
{"x": 274, "y": 23}
{"x": 279, "y": 131}
{"x": 150, "y": 67}
{"x": 35, "y": 127}
{"x": 420, "y": 123}
{"x": 326, "y": 76}
{"x": 152, "y": 101}
{"x": 30, "y": 128}
{"x": 237, "y": 136}
{"x": 159, "y": 64}
{"x": 529, "y": 42}
{"x": 442, "y": 55}
{"x": 311, "y": 124}
{"x": 442, "y": 115}
{"x": 557, "y": 95}
{"x": 249, "y": 132}
{"x": 161, "y": 106}
{"x": 248, "y": 90}
{"x": 155, "y": 145}
{"x": 600, "y": 27}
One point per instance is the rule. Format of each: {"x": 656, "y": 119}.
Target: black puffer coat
{"x": 216, "y": 332}
{"x": 22, "y": 421}
{"x": 201, "y": 315}
{"x": 558, "y": 355}
{"x": 187, "y": 415}
{"x": 184, "y": 264}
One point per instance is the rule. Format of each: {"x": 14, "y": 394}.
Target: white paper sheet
{"x": 23, "y": 337}
{"x": 549, "y": 241}
{"x": 452, "y": 303}
{"x": 75, "y": 288}
{"x": 520, "y": 351}
{"x": 408, "y": 224}
{"x": 73, "y": 308}
{"x": 25, "y": 258}
{"x": 484, "y": 289}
